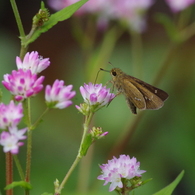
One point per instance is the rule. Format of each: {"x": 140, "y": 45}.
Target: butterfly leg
{"x": 113, "y": 98}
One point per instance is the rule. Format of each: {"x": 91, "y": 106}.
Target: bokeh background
{"x": 162, "y": 140}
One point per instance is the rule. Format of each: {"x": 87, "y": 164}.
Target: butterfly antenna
{"x": 111, "y": 64}
{"x": 97, "y": 75}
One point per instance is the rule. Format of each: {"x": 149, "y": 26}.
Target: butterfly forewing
{"x": 154, "y": 98}
{"x": 133, "y": 94}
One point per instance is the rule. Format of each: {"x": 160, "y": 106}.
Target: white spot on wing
{"x": 137, "y": 99}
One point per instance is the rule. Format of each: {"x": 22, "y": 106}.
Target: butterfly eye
{"x": 114, "y": 73}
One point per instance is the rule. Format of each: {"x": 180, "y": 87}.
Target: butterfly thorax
{"x": 117, "y": 78}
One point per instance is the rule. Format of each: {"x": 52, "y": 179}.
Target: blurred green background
{"x": 163, "y": 140}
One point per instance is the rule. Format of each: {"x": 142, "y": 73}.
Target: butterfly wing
{"x": 154, "y": 98}
{"x": 133, "y": 96}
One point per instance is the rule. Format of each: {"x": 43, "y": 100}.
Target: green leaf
{"x": 22, "y": 184}
{"x": 59, "y": 16}
{"x": 86, "y": 144}
{"x": 169, "y": 189}
{"x": 146, "y": 181}
{"x": 46, "y": 193}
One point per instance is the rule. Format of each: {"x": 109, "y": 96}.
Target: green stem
{"x": 27, "y": 112}
{"x": 79, "y": 155}
{"x": 39, "y": 119}
{"x": 19, "y": 167}
{"x": 27, "y": 118}
{"x": 136, "y": 49}
{"x": 184, "y": 18}
{"x": 58, "y": 191}
{"x": 85, "y": 129}
{"x": 28, "y": 158}
{"x": 23, "y": 49}
{"x": 165, "y": 64}
{"x": 18, "y": 19}
{"x": 187, "y": 33}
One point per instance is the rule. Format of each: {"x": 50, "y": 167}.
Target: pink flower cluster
{"x": 25, "y": 83}
{"x": 22, "y": 84}
{"x": 10, "y": 116}
{"x": 119, "y": 169}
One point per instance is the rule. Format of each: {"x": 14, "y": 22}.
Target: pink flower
{"x": 10, "y": 140}
{"x": 59, "y": 95}
{"x": 95, "y": 96}
{"x": 120, "y": 168}
{"x": 96, "y": 93}
{"x": 179, "y": 5}
{"x": 23, "y": 84}
{"x": 19, "y": 134}
{"x": 10, "y": 115}
{"x": 32, "y": 61}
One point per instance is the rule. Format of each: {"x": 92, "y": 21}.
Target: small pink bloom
{"x": 32, "y": 61}
{"x": 23, "y": 84}
{"x": 59, "y": 95}
{"x": 10, "y": 115}
{"x": 19, "y": 134}
{"x": 95, "y": 96}
{"x": 9, "y": 142}
{"x": 96, "y": 93}
{"x": 119, "y": 168}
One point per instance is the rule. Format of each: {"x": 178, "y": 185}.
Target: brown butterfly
{"x": 137, "y": 93}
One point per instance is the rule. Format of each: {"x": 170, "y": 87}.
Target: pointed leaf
{"x": 169, "y": 189}
{"x": 59, "y": 16}
{"x": 86, "y": 144}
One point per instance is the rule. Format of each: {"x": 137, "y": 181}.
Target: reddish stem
{"x": 9, "y": 171}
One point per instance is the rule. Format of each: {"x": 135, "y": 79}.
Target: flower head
{"x": 19, "y": 134}
{"x": 116, "y": 169}
{"x": 178, "y": 5}
{"x": 10, "y": 115}
{"x": 10, "y": 140}
{"x": 95, "y": 96}
{"x": 23, "y": 84}
{"x": 32, "y": 61}
{"x": 59, "y": 95}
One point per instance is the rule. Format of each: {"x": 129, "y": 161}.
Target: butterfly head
{"x": 116, "y": 72}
